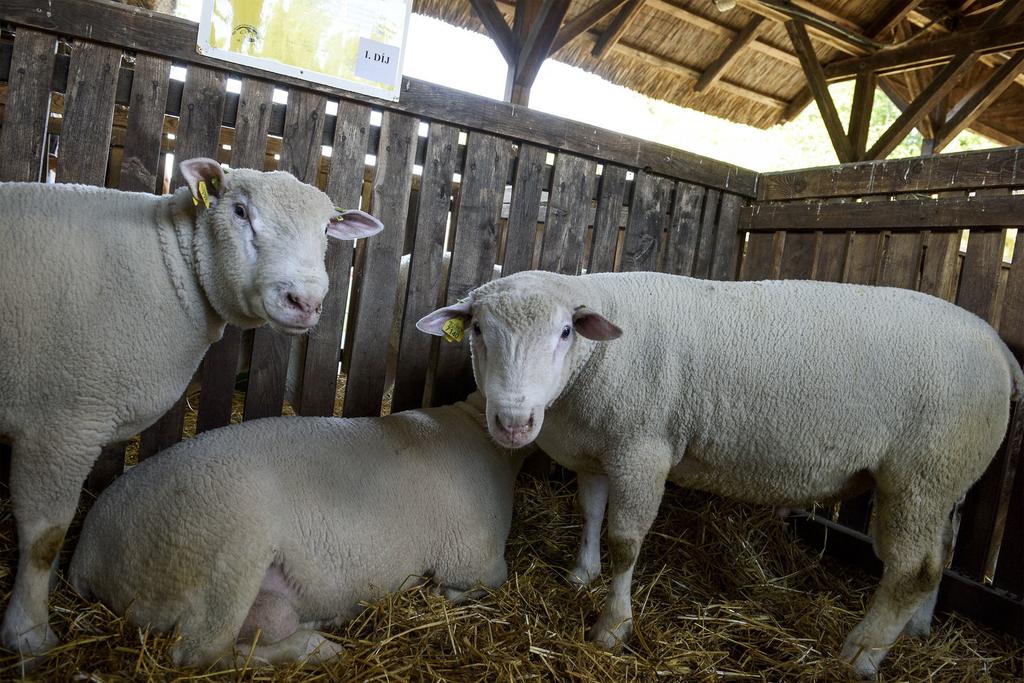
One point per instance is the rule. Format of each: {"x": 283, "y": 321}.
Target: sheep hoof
{"x": 864, "y": 659}
{"x": 582, "y": 576}
{"x": 31, "y": 643}
{"x": 610, "y": 636}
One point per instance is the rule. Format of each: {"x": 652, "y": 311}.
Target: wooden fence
{"x": 113, "y": 90}
{"x": 941, "y": 225}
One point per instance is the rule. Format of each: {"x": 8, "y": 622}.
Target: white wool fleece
{"x": 110, "y": 300}
{"x": 321, "y": 512}
{"x": 778, "y": 392}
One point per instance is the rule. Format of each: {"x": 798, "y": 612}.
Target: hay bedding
{"x": 721, "y": 592}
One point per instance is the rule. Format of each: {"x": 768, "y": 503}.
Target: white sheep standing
{"x": 110, "y": 301}
{"x": 284, "y": 525}
{"x": 780, "y": 393}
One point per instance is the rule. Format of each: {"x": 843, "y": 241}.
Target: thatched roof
{"x": 669, "y": 44}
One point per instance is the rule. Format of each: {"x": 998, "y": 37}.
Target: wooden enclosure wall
{"x": 947, "y": 226}
{"x": 445, "y": 172}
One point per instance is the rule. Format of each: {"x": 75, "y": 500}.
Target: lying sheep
{"x": 283, "y": 525}
{"x": 780, "y": 393}
{"x": 110, "y": 301}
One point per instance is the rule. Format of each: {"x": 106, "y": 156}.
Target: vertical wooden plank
{"x": 979, "y": 283}
{"x": 425, "y": 263}
{"x": 684, "y": 228}
{"x": 483, "y": 185}
{"x": 565, "y": 227}
{"x": 979, "y": 278}
{"x": 610, "y": 199}
{"x": 523, "y": 210}
{"x": 202, "y": 106}
{"x": 761, "y": 260}
{"x": 140, "y": 161}
{"x": 706, "y": 241}
{"x": 647, "y": 213}
{"x": 376, "y": 291}
{"x": 345, "y": 186}
{"x": 799, "y": 252}
{"x": 23, "y": 135}
{"x": 1009, "y": 574}
{"x": 901, "y": 260}
{"x": 300, "y": 156}
{"x": 831, "y": 256}
{"x": 862, "y": 258}
{"x": 940, "y": 268}
{"x": 248, "y": 150}
{"x": 88, "y": 114}
{"x": 727, "y": 240}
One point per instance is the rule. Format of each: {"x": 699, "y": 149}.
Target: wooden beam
{"x": 797, "y": 105}
{"x": 537, "y": 46}
{"x": 931, "y": 51}
{"x": 909, "y": 214}
{"x": 729, "y": 54}
{"x": 618, "y": 26}
{"x": 526, "y": 14}
{"x": 887, "y": 20}
{"x": 583, "y": 22}
{"x": 489, "y": 14}
{"x": 860, "y": 115}
{"x": 684, "y": 70}
{"x": 976, "y": 102}
{"x": 940, "y": 86}
{"x": 841, "y": 43}
{"x": 816, "y": 81}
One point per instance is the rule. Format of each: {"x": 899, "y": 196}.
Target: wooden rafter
{"x": 860, "y": 115}
{"x": 924, "y": 53}
{"x": 618, "y": 26}
{"x": 816, "y": 80}
{"x": 978, "y": 100}
{"x": 489, "y": 14}
{"x": 894, "y": 14}
{"x": 729, "y": 54}
{"x": 583, "y": 21}
{"x": 839, "y": 42}
{"x": 939, "y": 88}
{"x": 537, "y": 45}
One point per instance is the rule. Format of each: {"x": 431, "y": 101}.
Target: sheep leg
{"x": 592, "y": 496}
{"x": 910, "y": 540}
{"x": 633, "y": 500}
{"x": 45, "y": 482}
{"x": 920, "y": 624}
{"x": 305, "y": 646}
{"x": 483, "y": 578}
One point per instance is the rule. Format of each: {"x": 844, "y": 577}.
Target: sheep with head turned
{"x": 110, "y": 302}
{"x": 781, "y": 393}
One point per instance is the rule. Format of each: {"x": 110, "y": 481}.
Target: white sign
{"x": 356, "y": 45}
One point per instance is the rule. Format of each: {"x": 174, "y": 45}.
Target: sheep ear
{"x": 433, "y": 323}
{"x": 593, "y": 325}
{"x": 202, "y": 170}
{"x": 352, "y": 224}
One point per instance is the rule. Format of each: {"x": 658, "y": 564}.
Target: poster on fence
{"x": 356, "y": 45}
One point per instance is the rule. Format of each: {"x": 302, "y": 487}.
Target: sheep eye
{"x": 566, "y": 331}
{"x": 240, "y": 212}
{"x": 476, "y": 329}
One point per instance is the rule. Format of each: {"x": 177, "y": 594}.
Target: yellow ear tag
{"x": 202, "y": 193}
{"x": 453, "y": 330}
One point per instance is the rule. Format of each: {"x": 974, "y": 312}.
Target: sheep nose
{"x": 308, "y": 305}
{"x": 511, "y": 426}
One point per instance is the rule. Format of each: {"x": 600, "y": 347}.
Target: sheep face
{"x": 525, "y": 345}
{"x": 260, "y": 240}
